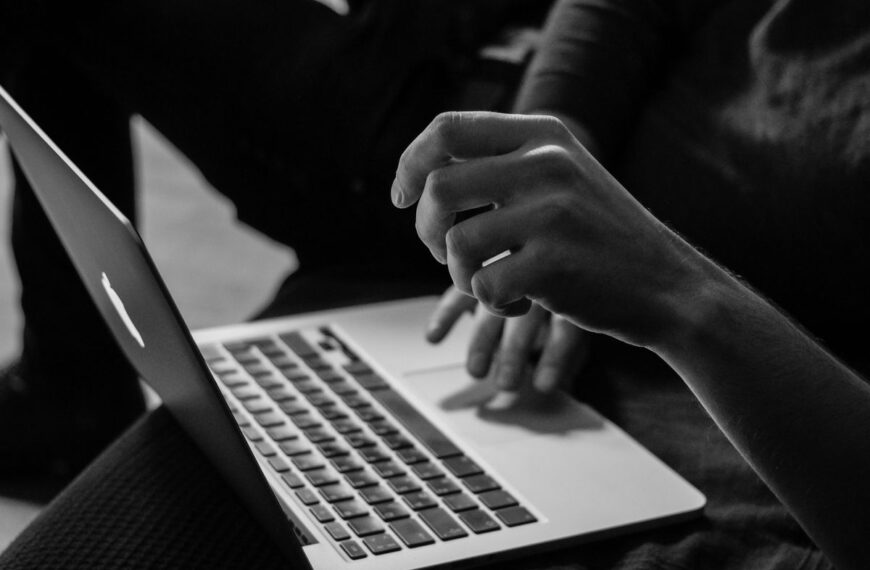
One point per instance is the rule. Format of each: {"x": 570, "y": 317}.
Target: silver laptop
{"x": 353, "y": 441}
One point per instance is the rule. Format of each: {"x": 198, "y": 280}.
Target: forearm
{"x": 799, "y": 417}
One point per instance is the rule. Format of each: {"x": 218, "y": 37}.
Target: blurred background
{"x": 218, "y": 271}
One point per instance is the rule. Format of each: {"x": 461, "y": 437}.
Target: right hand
{"x": 507, "y": 348}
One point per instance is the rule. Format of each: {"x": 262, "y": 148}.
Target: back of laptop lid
{"x": 133, "y": 300}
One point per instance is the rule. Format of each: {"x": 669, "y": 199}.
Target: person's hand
{"x": 509, "y": 348}
{"x": 580, "y": 245}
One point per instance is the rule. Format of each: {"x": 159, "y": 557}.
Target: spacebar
{"x": 430, "y": 436}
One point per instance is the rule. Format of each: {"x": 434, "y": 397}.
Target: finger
{"x": 462, "y": 135}
{"x": 517, "y": 344}
{"x": 480, "y": 240}
{"x": 463, "y": 187}
{"x": 565, "y": 353}
{"x": 484, "y": 343}
{"x": 503, "y": 287}
{"x": 451, "y": 306}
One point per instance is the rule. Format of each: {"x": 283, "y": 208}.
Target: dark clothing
{"x": 154, "y": 501}
{"x": 744, "y": 124}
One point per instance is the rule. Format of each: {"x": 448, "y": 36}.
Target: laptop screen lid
{"x": 123, "y": 282}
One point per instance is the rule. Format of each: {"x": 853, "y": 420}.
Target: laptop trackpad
{"x": 481, "y": 413}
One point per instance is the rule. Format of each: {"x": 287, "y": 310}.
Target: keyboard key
{"x": 297, "y": 343}
{"x": 346, "y": 464}
{"x": 412, "y": 455}
{"x": 305, "y": 421}
{"x": 257, "y": 406}
{"x": 322, "y": 514}
{"x": 498, "y": 499}
{"x": 332, "y": 449}
{"x": 307, "y": 496}
{"x": 282, "y": 433}
{"x": 270, "y": 419}
{"x": 268, "y": 381}
{"x": 343, "y": 388}
{"x": 427, "y": 471}
{"x": 350, "y": 509}
{"x": 318, "y": 435}
{"x": 357, "y": 368}
{"x": 353, "y": 550}
{"x": 375, "y": 495}
{"x": 381, "y": 544}
{"x": 371, "y": 381}
{"x": 462, "y": 466}
{"x": 419, "y": 500}
{"x": 354, "y": 401}
{"x": 430, "y": 436}
{"x": 252, "y": 433}
{"x": 234, "y": 379}
{"x": 403, "y": 484}
{"x": 281, "y": 360}
{"x": 266, "y": 449}
{"x": 382, "y": 428}
{"x": 307, "y": 386}
{"x": 392, "y": 511}
{"x": 365, "y": 526}
{"x": 358, "y": 440}
{"x": 245, "y": 392}
{"x": 442, "y": 524}
{"x": 321, "y": 477}
{"x": 256, "y": 368}
{"x": 293, "y": 408}
{"x": 329, "y": 376}
{"x": 332, "y": 413}
{"x": 373, "y": 454}
{"x": 281, "y": 394}
{"x": 360, "y": 479}
{"x": 210, "y": 352}
{"x": 295, "y": 374}
{"x": 308, "y": 462}
{"x": 480, "y": 483}
{"x": 336, "y": 493}
{"x": 515, "y": 516}
{"x": 388, "y": 469}
{"x": 411, "y": 533}
{"x": 369, "y": 414}
{"x": 478, "y": 521}
{"x": 320, "y": 400}
{"x": 316, "y": 363}
{"x": 460, "y": 502}
{"x": 293, "y": 480}
{"x": 346, "y": 426}
{"x": 336, "y": 531}
{"x": 279, "y": 464}
{"x": 291, "y": 448}
{"x": 442, "y": 486}
{"x": 397, "y": 441}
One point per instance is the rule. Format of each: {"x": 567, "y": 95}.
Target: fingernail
{"x": 396, "y": 193}
{"x": 477, "y": 364}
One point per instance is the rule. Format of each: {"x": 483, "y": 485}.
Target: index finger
{"x": 460, "y": 136}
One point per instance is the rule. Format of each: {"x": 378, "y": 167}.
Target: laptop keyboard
{"x": 371, "y": 470}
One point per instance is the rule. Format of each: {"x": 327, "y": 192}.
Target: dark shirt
{"x": 744, "y": 124}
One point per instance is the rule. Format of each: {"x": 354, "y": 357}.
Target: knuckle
{"x": 554, "y": 127}
{"x": 438, "y": 184}
{"x": 445, "y": 124}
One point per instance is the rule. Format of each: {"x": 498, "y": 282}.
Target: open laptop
{"x": 354, "y": 442}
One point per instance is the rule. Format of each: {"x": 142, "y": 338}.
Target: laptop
{"x": 354, "y": 442}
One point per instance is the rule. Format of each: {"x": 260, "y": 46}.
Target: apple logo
{"x": 122, "y": 312}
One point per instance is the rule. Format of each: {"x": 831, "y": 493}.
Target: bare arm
{"x": 582, "y": 247}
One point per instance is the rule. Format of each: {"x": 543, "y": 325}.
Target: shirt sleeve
{"x": 599, "y": 59}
